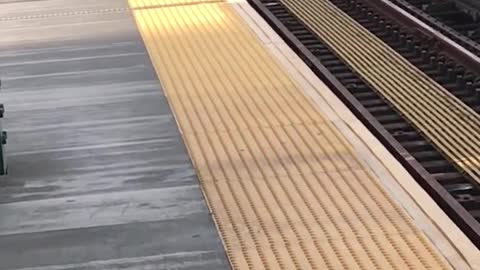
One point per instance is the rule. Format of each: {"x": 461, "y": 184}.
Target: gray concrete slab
{"x": 99, "y": 176}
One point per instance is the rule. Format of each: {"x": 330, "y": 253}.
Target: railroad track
{"x": 419, "y": 50}
{"x": 451, "y": 125}
{"x": 448, "y": 18}
{"x": 451, "y": 185}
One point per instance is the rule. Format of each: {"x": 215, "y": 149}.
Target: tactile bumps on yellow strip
{"x": 453, "y": 127}
{"x": 285, "y": 190}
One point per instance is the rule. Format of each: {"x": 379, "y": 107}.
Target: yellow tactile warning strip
{"x": 284, "y": 188}
{"x": 453, "y": 127}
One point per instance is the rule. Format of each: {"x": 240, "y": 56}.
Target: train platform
{"x": 256, "y": 166}
{"x": 286, "y": 188}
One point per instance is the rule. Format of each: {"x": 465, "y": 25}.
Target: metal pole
{"x": 3, "y": 142}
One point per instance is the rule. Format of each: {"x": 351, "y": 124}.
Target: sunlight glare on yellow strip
{"x": 139, "y": 4}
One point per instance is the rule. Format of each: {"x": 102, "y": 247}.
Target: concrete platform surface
{"x": 99, "y": 176}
